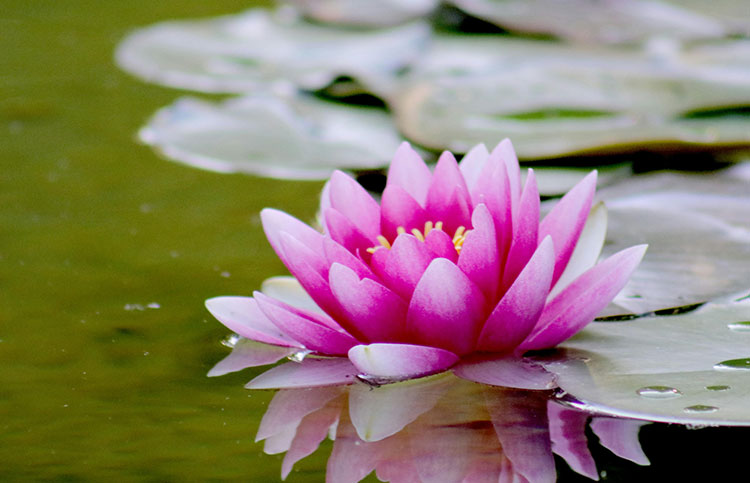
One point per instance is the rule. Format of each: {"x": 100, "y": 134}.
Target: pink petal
{"x": 565, "y": 221}
{"x": 493, "y": 189}
{"x": 248, "y": 353}
{"x": 313, "y": 331}
{"x": 308, "y": 373}
{"x": 344, "y": 232}
{"x": 400, "y": 361}
{"x": 352, "y": 459}
{"x": 447, "y": 309}
{"x": 376, "y": 312}
{"x": 567, "y": 430}
{"x": 335, "y": 253}
{"x": 620, "y": 436}
{"x": 355, "y": 203}
{"x": 448, "y": 198}
{"x": 242, "y": 316}
{"x": 472, "y": 164}
{"x": 579, "y": 302}
{"x": 508, "y": 155}
{"x": 311, "y": 432}
{"x": 525, "y": 231}
{"x": 514, "y": 317}
{"x": 400, "y": 209}
{"x": 441, "y": 245}
{"x": 479, "y": 258}
{"x": 379, "y": 412}
{"x": 402, "y": 266}
{"x": 520, "y": 422}
{"x": 276, "y": 222}
{"x": 290, "y": 406}
{"x": 408, "y": 171}
{"x": 505, "y": 372}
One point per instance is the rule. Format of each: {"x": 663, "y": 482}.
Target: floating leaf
{"x": 244, "y": 52}
{"x": 298, "y": 137}
{"x": 663, "y": 368}
{"x": 554, "y": 99}
{"x": 364, "y": 13}
{"x": 696, "y": 226}
{"x": 611, "y": 22}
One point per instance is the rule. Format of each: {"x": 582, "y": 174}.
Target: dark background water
{"x": 95, "y": 383}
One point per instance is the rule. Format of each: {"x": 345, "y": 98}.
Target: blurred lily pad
{"x": 555, "y": 100}
{"x": 289, "y": 137}
{"x": 698, "y": 230}
{"x": 247, "y": 51}
{"x": 600, "y": 21}
{"x": 683, "y": 369}
{"x": 364, "y": 13}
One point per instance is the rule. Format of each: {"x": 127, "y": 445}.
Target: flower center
{"x": 458, "y": 237}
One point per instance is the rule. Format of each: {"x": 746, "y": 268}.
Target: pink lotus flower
{"x": 450, "y": 264}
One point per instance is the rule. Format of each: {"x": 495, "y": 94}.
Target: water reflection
{"x": 442, "y": 429}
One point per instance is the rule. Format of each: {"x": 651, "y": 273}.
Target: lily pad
{"x": 364, "y": 13}
{"x": 611, "y": 22}
{"x": 690, "y": 369}
{"x": 290, "y": 137}
{"x": 247, "y": 51}
{"x": 555, "y": 100}
{"x": 696, "y": 226}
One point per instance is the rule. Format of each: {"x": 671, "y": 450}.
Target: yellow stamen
{"x": 427, "y": 228}
{"x": 459, "y": 234}
{"x": 439, "y": 225}
{"x": 383, "y": 243}
{"x": 418, "y": 234}
{"x": 400, "y": 230}
{"x": 458, "y": 238}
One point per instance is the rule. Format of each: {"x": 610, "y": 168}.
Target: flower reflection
{"x": 440, "y": 429}
{"x": 449, "y": 265}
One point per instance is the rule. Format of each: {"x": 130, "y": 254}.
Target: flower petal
{"x": 248, "y": 353}
{"x": 308, "y": 373}
{"x": 493, "y": 189}
{"x": 565, "y": 221}
{"x": 620, "y": 436}
{"x": 288, "y": 290}
{"x": 472, "y": 164}
{"x": 479, "y": 258}
{"x": 276, "y": 222}
{"x": 290, "y": 406}
{"x": 514, "y": 317}
{"x": 506, "y": 372}
{"x": 507, "y": 154}
{"x": 408, "y": 171}
{"x": 579, "y": 303}
{"x": 377, "y": 312}
{"x": 441, "y": 245}
{"x": 310, "y": 433}
{"x": 354, "y": 202}
{"x": 402, "y": 266}
{"x": 242, "y": 316}
{"x": 343, "y": 231}
{"x": 313, "y": 331}
{"x": 567, "y": 430}
{"x": 587, "y": 250}
{"x": 400, "y": 361}
{"x": 399, "y": 208}
{"x": 525, "y": 231}
{"x": 446, "y": 310}
{"x": 448, "y": 198}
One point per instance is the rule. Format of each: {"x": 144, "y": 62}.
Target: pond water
{"x": 106, "y": 256}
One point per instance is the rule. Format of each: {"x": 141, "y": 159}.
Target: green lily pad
{"x": 288, "y": 137}
{"x": 364, "y": 13}
{"x": 554, "y": 100}
{"x": 691, "y": 368}
{"x": 696, "y": 226}
{"x": 247, "y": 51}
{"x": 611, "y": 22}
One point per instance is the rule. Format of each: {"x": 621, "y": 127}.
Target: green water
{"x": 91, "y": 222}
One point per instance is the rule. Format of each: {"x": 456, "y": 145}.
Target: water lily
{"x": 450, "y": 265}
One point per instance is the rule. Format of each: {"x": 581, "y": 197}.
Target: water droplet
{"x": 153, "y": 305}
{"x": 734, "y": 365}
{"x": 231, "y": 341}
{"x": 718, "y": 388}
{"x": 658, "y": 392}
{"x": 299, "y": 356}
{"x": 743, "y": 326}
{"x": 701, "y": 408}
